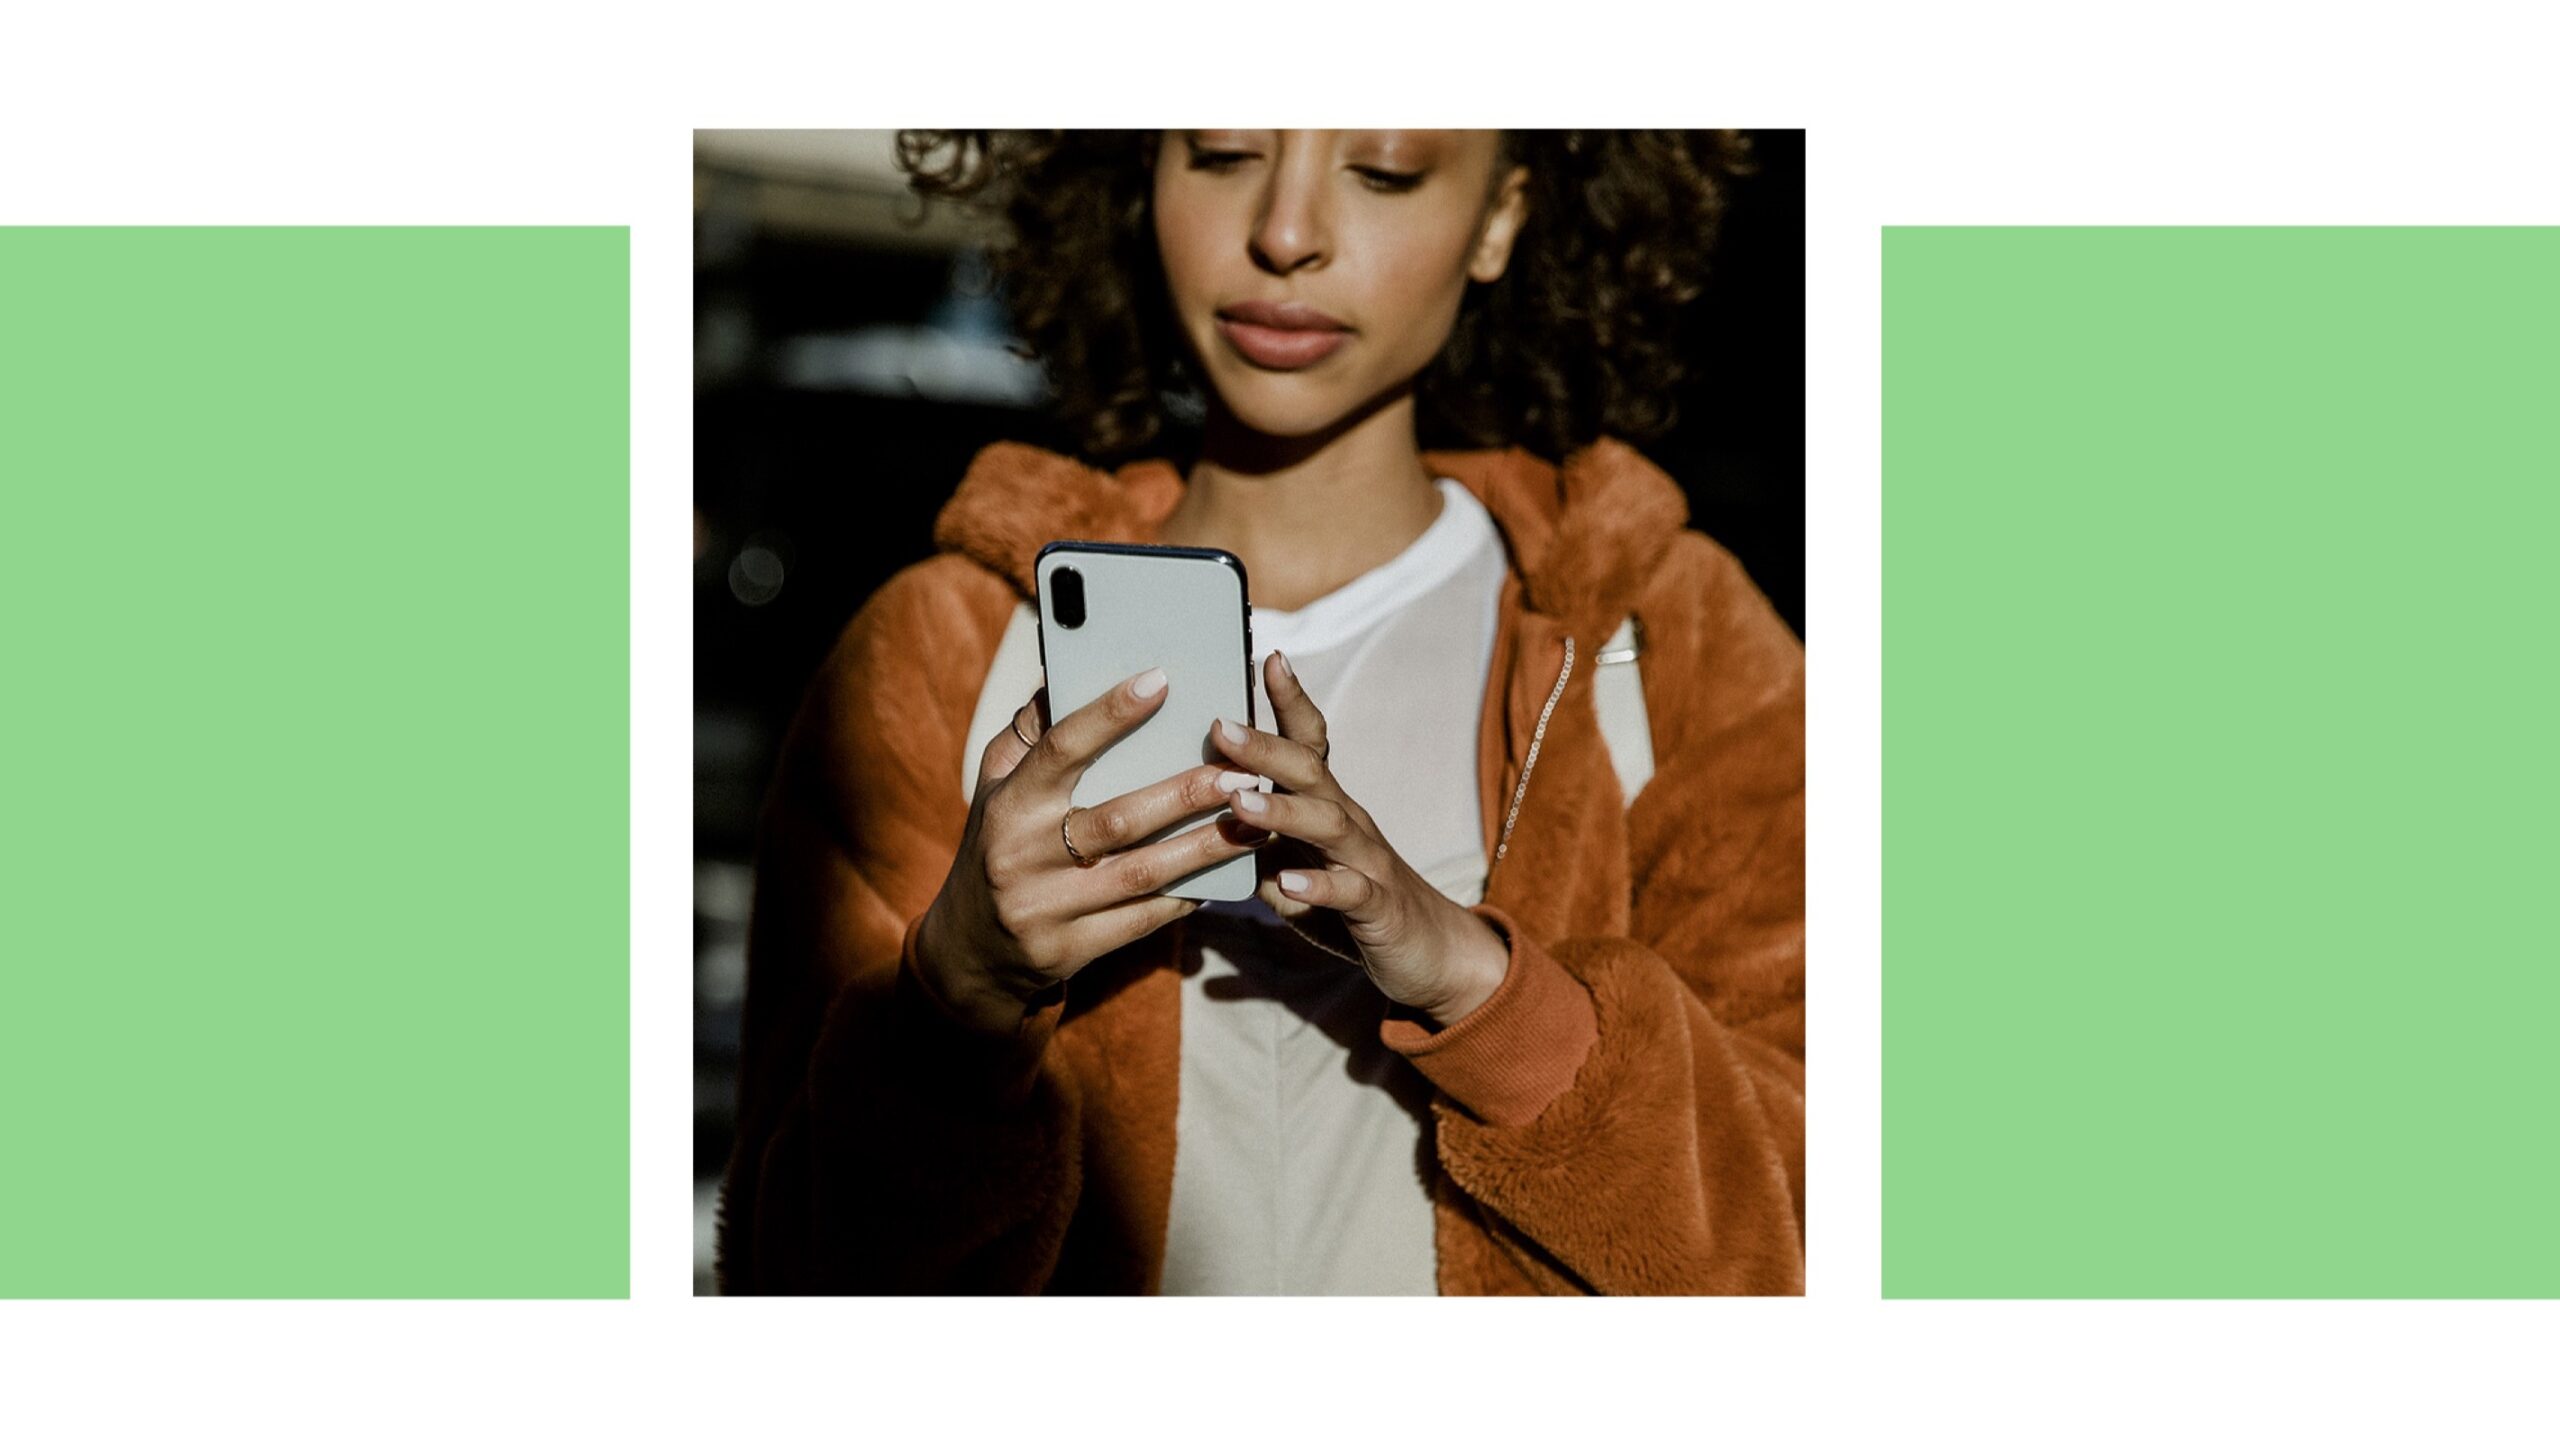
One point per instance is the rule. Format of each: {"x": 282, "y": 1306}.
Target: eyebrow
{"x": 1404, "y": 145}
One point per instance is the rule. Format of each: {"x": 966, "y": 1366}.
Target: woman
{"x": 1565, "y": 1053}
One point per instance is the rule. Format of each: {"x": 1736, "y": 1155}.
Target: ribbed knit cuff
{"x": 1508, "y": 1058}
{"x": 938, "y": 1051}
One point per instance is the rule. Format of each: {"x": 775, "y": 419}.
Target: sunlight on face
{"x": 1376, "y": 232}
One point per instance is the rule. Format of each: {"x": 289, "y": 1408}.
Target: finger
{"x": 1281, "y": 903}
{"x": 1285, "y": 760}
{"x": 1126, "y": 820}
{"x": 1252, "y": 837}
{"x": 1007, "y": 746}
{"x": 1322, "y": 823}
{"x": 1107, "y": 930}
{"x": 1151, "y": 868}
{"x": 1066, "y": 748}
{"x": 1336, "y": 887}
{"x": 1281, "y": 854}
{"x": 1292, "y": 710}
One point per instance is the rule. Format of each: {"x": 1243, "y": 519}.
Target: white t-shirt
{"x": 1301, "y": 1142}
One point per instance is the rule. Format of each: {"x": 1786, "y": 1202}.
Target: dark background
{"x": 848, "y": 366}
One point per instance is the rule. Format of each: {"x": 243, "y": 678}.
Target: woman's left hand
{"x": 1420, "y": 947}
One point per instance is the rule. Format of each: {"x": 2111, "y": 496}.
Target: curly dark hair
{"x": 1575, "y": 340}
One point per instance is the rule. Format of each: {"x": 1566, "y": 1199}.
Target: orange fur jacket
{"x": 1625, "y": 1115}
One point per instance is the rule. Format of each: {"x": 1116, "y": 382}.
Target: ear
{"x": 1503, "y": 217}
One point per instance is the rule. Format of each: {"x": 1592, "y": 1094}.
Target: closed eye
{"x": 1390, "y": 181}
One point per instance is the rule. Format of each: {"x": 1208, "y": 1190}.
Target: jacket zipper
{"x": 1502, "y": 847}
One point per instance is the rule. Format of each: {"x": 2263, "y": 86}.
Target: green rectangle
{"x": 315, "y": 839}
{"x": 2220, "y": 777}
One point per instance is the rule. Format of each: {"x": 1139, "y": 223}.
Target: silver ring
{"x": 1077, "y": 855}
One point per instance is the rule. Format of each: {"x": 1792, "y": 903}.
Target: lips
{"x": 1281, "y": 336}
{"x": 1280, "y": 315}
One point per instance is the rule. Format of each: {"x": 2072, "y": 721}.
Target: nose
{"x": 1293, "y": 229}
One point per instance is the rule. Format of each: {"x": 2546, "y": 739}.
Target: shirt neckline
{"x": 1443, "y": 547}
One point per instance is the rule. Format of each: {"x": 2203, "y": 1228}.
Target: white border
{"x": 476, "y": 112}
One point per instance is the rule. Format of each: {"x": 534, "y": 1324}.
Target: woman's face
{"x": 1373, "y": 235}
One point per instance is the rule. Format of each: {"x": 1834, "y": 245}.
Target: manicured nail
{"x": 1251, "y": 802}
{"x": 1293, "y": 882}
{"x": 1231, "y": 730}
{"x": 1148, "y": 683}
{"x": 1234, "y": 780}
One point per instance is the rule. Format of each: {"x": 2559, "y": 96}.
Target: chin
{"x": 1286, "y": 406}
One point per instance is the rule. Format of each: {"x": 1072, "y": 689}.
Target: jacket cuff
{"x": 936, "y": 1051}
{"x": 1508, "y": 1058}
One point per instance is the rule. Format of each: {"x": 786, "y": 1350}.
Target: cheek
{"x": 1184, "y": 235}
{"x": 1174, "y": 253}
{"x": 1420, "y": 282}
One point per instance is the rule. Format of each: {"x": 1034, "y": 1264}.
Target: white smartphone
{"x": 1110, "y": 611}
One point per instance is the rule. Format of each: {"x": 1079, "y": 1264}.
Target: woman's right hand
{"x": 1017, "y": 915}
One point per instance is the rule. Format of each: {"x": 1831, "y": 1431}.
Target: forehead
{"x": 1436, "y": 141}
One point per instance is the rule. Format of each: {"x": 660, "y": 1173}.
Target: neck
{"x": 1307, "y": 514}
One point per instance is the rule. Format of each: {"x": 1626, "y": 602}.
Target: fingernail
{"x": 1231, "y": 730}
{"x": 1251, "y": 802}
{"x": 1234, "y": 780}
{"x": 1285, "y": 667}
{"x": 1148, "y": 683}
{"x": 1293, "y": 882}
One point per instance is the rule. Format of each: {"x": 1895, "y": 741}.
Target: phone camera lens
{"x": 1066, "y": 597}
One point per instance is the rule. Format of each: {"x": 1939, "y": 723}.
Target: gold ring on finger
{"x": 1077, "y": 855}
